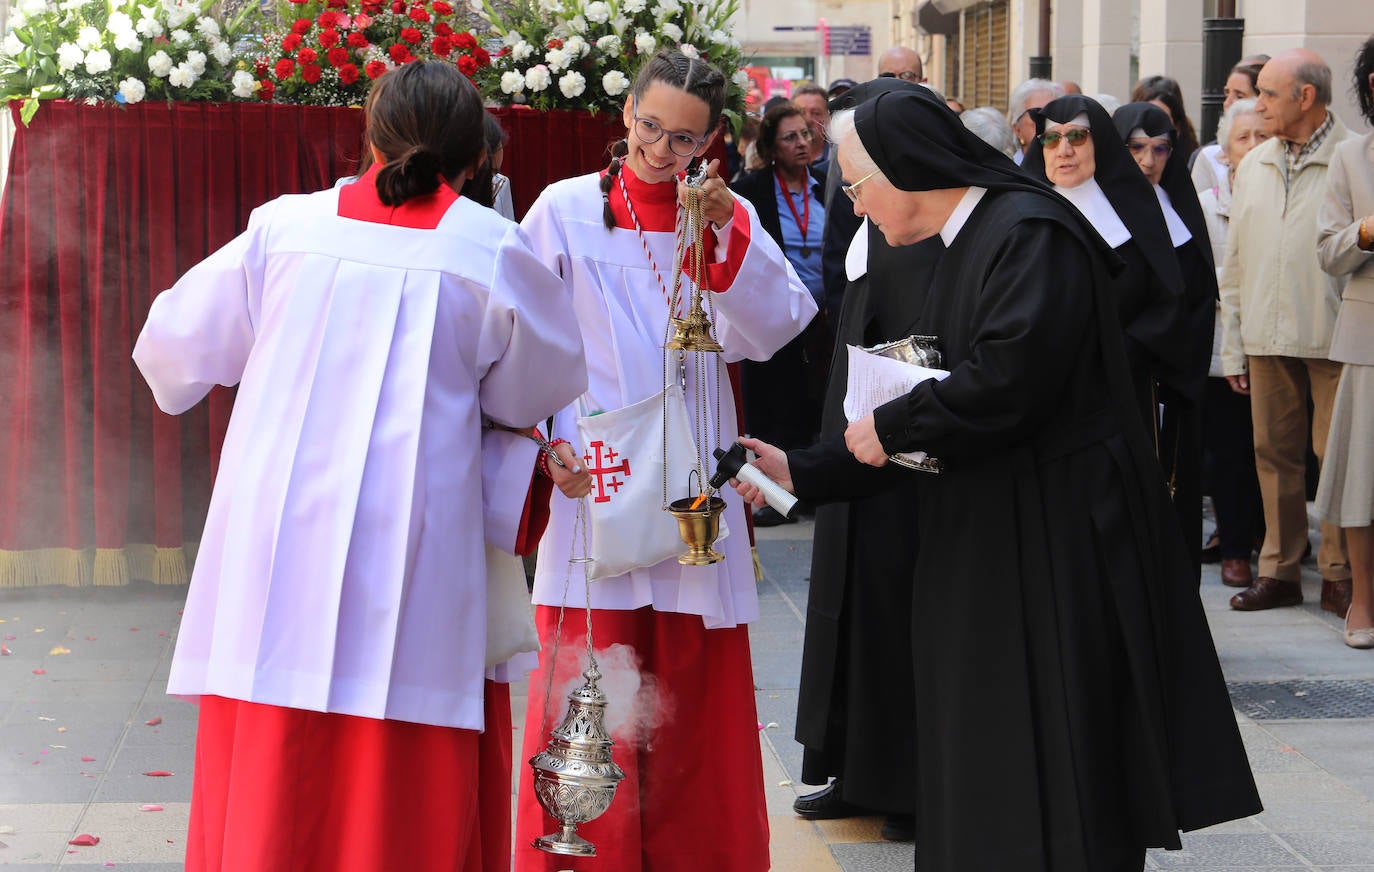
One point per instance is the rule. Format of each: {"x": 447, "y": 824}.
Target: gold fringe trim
{"x": 103, "y": 567}
{"x": 758, "y": 565}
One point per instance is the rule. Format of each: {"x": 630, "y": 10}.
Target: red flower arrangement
{"x": 331, "y": 50}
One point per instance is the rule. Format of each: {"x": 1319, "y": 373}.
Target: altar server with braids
{"x": 692, "y": 797}
{"x": 337, "y": 630}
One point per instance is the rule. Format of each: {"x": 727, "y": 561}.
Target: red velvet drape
{"x": 547, "y": 146}
{"x": 105, "y": 207}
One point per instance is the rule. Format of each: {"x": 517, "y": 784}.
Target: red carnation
{"x": 412, "y": 36}
{"x": 290, "y": 42}
{"x": 337, "y": 4}
{"x": 398, "y": 6}
{"x": 554, "y": 43}
{"x": 441, "y": 8}
{"x": 482, "y": 56}
{"x": 329, "y": 38}
{"x": 467, "y": 66}
{"x": 348, "y": 74}
{"x": 468, "y": 41}
{"x": 307, "y": 56}
{"x": 374, "y": 69}
{"x": 400, "y": 52}
{"x": 328, "y": 18}
{"x": 337, "y": 56}
{"x": 442, "y": 29}
{"x": 265, "y": 90}
{"x": 284, "y": 68}
{"x": 301, "y": 25}
{"x": 357, "y": 40}
{"x": 418, "y": 13}
{"x": 311, "y": 73}
{"x": 441, "y": 46}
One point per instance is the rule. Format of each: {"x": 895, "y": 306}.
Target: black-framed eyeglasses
{"x": 1075, "y": 135}
{"x": 805, "y": 135}
{"x": 852, "y": 191}
{"x": 1158, "y": 149}
{"x": 904, "y": 75}
{"x": 649, "y": 132}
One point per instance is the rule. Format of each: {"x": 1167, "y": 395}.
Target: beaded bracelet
{"x": 542, "y": 464}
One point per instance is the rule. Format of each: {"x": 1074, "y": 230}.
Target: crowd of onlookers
{"x": 1250, "y": 342}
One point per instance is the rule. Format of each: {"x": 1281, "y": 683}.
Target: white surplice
{"x": 342, "y": 563}
{"x": 623, "y": 314}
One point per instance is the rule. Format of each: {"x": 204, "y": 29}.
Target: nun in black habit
{"x": 1099, "y": 177}
{"x": 1151, "y": 139}
{"x": 1070, "y": 710}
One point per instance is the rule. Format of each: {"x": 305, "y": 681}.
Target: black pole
{"x": 1042, "y": 65}
{"x": 1221, "y": 47}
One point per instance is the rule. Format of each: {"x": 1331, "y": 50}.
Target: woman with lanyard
{"x": 1080, "y": 153}
{"x": 784, "y": 394}
{"x": 1151, "y": 138}
{"x": 684, "y": 804}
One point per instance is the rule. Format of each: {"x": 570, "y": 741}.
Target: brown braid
{"x": 618, "y": 152}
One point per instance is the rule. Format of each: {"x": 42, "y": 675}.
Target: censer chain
{"x": 579, "y": 527}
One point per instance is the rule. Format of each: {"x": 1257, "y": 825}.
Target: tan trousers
{"x": 1279, "y": 389}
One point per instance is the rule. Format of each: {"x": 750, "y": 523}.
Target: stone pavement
{"x": 83, "y": 681}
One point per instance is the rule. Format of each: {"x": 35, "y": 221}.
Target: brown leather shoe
{"x": 1267, "y": 593}
{"x": 1336, "y": 596}
{"x": 1236, "y": 573}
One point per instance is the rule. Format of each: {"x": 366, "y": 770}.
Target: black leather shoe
{"x": 771, "y": 517}
{"x": 899, "y": 828}
{"x": 824, "y": 805}
{"x": 1211, "y": 550}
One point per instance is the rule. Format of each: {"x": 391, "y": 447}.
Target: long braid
{"x": 618, "y": 152}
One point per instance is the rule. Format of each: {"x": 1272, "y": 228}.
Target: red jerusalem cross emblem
{"x": 604, "y": 471}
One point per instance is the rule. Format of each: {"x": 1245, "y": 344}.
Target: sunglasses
{"x": 1158, "y": 149}
{"x": 852, "y": 191}
{"x": 1075, "y": 135}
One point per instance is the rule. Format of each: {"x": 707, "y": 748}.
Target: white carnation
{"x": 38, "y": 7}
{"x": 614, "y": 83}
{"x": 221, "y": 53}
{"x": 553, "y": 7}
{"x": 150, "y": 28}
{"x": 119, "y": 23}
{"x": 181, "y": 37}
{"x": 160, "y": 64}
{"x": 645, "y": 43}
{"x": 512, "y": 82}
{"x": 207, "y": 27}
{"x": 98, "y": 62}
{"x": 521, "y": 51}
{"x": 13, "y": 44}
{"x": 597, "y": 12}
{"x": 572, "y": 84}
{"x": 178, "y": 14}
{"x": 69, "y": 57}
{"x": 610, "y": 44}
{"x": 132, "y": 90}
{"x": 633, "y": 7}
{"x": 672, "y": 31}
{"x": 88, "y": 38}
{"x": 557, "y": 59}
{"x": 127, "y": 40}
{"x": 689, "y": 50}
{"x": 183, "y": 75}
{"x": 196, "y": 61}
{"x": 244, "y": 84}
{"x": 537, "y": 78}
{"x": 576, "y": 47}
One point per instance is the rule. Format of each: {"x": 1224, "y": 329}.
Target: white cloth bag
{"x": 623, "y": 450}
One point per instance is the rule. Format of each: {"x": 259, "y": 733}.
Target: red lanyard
{"x": 804, "y": 219}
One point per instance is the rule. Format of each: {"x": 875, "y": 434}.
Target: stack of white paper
{"x": 874, "y": 380}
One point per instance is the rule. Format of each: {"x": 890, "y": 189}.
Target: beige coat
{"x": 1275, "y": 299}
{"x": 1349, "y": 198}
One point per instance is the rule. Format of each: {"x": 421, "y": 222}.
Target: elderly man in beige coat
{"x": 1278, "y": 309}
